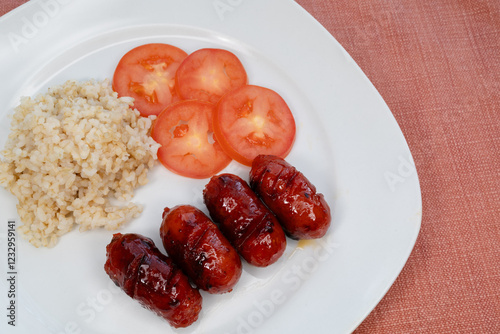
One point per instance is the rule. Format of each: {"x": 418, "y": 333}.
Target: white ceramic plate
{"x": 348, "y": 144}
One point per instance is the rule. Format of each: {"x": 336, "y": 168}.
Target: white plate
{"x": 348, "y": 144}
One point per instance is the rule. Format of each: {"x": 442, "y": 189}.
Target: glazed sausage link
{"x": 198, "y": 247}
{"x": 135, "y": 264}
{"x": 303, "y": 213}
{"x": 245, "y": 221}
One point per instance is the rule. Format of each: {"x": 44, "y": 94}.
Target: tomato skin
{"x": 147, "y": 73}
{"x": 184, "y": 130}
{"x": 207, "y": 74}
{"x": 253, "y": 120}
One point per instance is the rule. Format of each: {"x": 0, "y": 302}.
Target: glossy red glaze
{"x": 137, "y": 266}
{"x": 197, "y": 246}
{"x": 303, "y": 213}
{"x": 245, "y": 221}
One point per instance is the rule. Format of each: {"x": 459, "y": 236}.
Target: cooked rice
{"x": 71, "y": 151}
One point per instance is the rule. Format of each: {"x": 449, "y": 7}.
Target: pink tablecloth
{"x": 437, "y": 65}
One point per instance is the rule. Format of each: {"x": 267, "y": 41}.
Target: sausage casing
{"x": 246, "y": 222}
{"x": 150, "y": 277}
{"x": 303, "y": 213}
{"x": 197, "y": 246}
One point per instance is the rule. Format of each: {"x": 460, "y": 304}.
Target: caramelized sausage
{"x": 251, "y": 228}
{"x": 137, "y": 266}
{"x": 197, "y": 246}
{"x": 303, "y": 213}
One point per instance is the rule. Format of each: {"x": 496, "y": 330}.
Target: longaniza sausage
{"x": 245, "y": 221}
{"x": 303, "y": 213}
{"x": 150, "y": 277}
{"x": 198, "y": 247}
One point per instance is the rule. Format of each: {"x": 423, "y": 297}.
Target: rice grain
{"x": 69, "y": 152}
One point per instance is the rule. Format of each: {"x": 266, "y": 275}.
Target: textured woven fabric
{"x": 437, "y": 65}
{"x": 8, "y": 5}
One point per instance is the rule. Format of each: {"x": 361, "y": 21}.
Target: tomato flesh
{"x": 207, "y": 74}
{"x": 254, "y": 120}
{"x": 147, "y": 73}
{"x": 184, "y": 129}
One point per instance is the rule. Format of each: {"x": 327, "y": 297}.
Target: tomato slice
{"x": 207, "y": 74}
{"x": 254, "y": 120}
{"x": 147, "y": 73}
{"x": 184, "y": 129}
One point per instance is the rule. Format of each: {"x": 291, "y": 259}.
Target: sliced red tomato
{"x": 207, "y": 74}
{"x": 184, "y": 129}
{"x": 254, "y": 120}
{"x": 147, "y": 73}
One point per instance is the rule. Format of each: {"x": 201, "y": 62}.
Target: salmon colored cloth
{"x": 437, "y": 65}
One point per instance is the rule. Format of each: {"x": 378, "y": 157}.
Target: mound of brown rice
{"x": 69, "y": 152}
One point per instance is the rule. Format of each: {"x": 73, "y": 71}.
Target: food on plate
{"x": 248, "y": 120}
{"x": 245, "y": 221}
{"x": 135, "y": 264}
{"x": 303, "y": 213}
{"x": 207, "y": 74}
{"x": 253, "y": 120}
{"x": 69, "y": 151}
{"x": 198, "y": 247}
{"x": 147, "y": 73}
{"x": 184, "y": 130}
